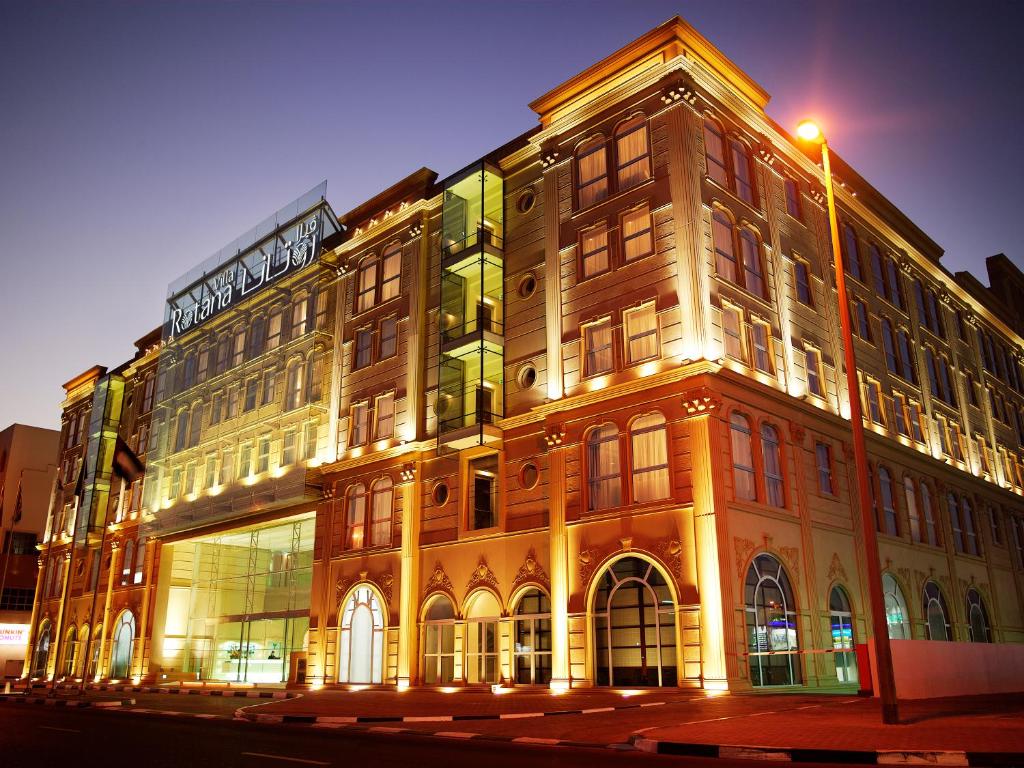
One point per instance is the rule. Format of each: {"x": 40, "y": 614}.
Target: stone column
{"x": 559, "y": 561}
{"x": 408, "y": 580}
{"x": 115, "y": 566}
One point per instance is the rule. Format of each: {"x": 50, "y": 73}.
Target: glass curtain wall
{"x": 472, "y": 318}
{"x": 249, "y": 601}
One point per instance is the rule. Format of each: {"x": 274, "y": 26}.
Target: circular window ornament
{"x": 440, "y": 493}
{"x": 527, "y": 285}
{"x": 529, "y": 475}
{"x": 526, "y": 376}
{"x": 526, "y": 200}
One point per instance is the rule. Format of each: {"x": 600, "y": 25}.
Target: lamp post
{"x": 810, "y": 132}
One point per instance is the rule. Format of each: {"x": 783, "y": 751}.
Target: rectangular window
{"x": 210, "y": 471}
{"x": 245, "y": 461}
{"x": 226, "y": 467}
{"x": 899, "y": 407}
{"x": 238, "y": 347}
{"x": 874, "y": 401}
{"x": 792, "y": 198}
{"x": 634, "y": 162}
{"x": 384, "y": 417}
{"x": 483, "y": 490}
{"x": 861, "y": 323}
{"x": 823, "y": 455}
{"x": 760, "y": 343}
{"x": 597, "y": 346}
{"x": 812, "y": 361}
{"x": 916, "y": 430}
{"x": 366, "y": 288}
{"x": 943, "y": 430}
{"x": 309, "y": 437}
{"x": 190, "y": 477}
{"x": 364, "y": 348}
{"x": 388, "y": 337}
{"x": 359, "y": 427}
{"x": 594, "y": 251}
{"x": 802, "y": 277}
{"x": 274, "y": 331}
{"x": 233, "y": 398}
{"x": 251, "y": 390}
{"x": 175, "y": 489}
{"x": 269, "y": 385}
{"x": 732, "y": 332}
{"x": 263, "y": 458}
{"x": 642, "y": 333}
{"x": 714, "y": 151}
{"x": 288, "y": 447}
{"x": 637, "y": 237}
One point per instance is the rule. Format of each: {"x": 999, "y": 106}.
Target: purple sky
{"x": 138, "y": 138}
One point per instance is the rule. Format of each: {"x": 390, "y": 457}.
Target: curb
{"x": 846, "y": 756}
{"x": 226, "y": 693}
{"x": 73, "y": 703}
{"x": 242, "y": 714}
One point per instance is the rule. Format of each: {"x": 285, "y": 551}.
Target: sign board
{"x": 14, "y": 634}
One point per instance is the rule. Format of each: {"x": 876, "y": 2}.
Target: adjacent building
{"x": 572, "y": 416}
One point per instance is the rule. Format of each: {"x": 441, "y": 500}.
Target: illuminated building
{"x": 572, "y": 416}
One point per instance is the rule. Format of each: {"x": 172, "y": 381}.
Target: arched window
{"x": 381, "y": 493}
{"x": 481, "y": 638}
{"x": 742, "y": 458}
{"x": 913, "y": 516}
{"x": 725, "y": 254}
{"x": 632, "y": 154}
{"x": 42, "y": 650}
{"x": 972, "y": 541}
{"x": 953, "y": 509}
{"x": 753, "y": 272}
{"x": 124, "y": 643}
{"x": 896, "y": 615}
{"x": 94, "y": 654}
{"x": 604, "y": 481}
{"x": 928, "y": 508}
{"x": 649, "y": 451}
{"x": 935, "y": 613}
{"x": 361, "y": 639}
{"x": 391, "y": 277}
{"x": 591, "y": 172}
{"x": 355, "y": 516}
{"x": 889, "y": 346}
{"x": 366, "y": 284}
{"x": 69, "y": 652}
{"x": 634, "y": 626}
{"x": 439, "y": 642}
{"x": 889, "y": 520}
{"x": 841, "y": 619}
{"x": 714, "y": 151}
{"x": 772, "y": 642}
{"x": 742, "y": 173}
{"x": 772, "y": 455}
{"x": 532, "y": 637}
{"x": 977, "y": 618}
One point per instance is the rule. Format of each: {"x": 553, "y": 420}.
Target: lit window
{"x": 913, "y": 516}
{"x": 591, "y": 173}
{"x": 269, "y": 385}
{"x": 594, "y": 250}
{"x": 897, "y": 617}
{"x": 359, "y": 427}
{"x": 309, "y": 437}
{"x": 641, "y": 333}
{"x": 597, "y": 344}
{"x": 732, "y": 322}
{"x": 915, "y": 416}
{"x": 899, "y": 408}
{"x": 381, "y": 503}
{"x": 753, "y": 273}
{"x": 295, "y": 385}
{"x": 227, "y": 465}
{"x": 263, "y": 457}
{"x": 874, "y": 400}
{"x": 649, "y": 451}
{"x": 384, "y": 421}
{"x": 604, "y": 483}
{"x": 251, "y": 391}
{"x": 245, "y": 461}
{"x": 274, "y": 330}
{"x": 390, "y": 284}
{"x": 355, "y": 516}
{"x": 388, "y": 337}
{"x": 743, "y": 182}
{"x": 742, "y": 458}
{"x": 632, "y": 154}
{"x": 823, "y": 457}
{"x": 288, "y": 448}
{"x": 483, "y": 473}
{"x": 637, "y": 240}
{"x": 366, "y": 285}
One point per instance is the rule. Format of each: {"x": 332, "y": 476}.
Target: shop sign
{"x": 13, "y": 634}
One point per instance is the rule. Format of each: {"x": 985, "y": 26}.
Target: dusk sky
{"x": 137, "y": 138}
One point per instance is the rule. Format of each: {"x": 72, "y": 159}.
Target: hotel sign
{"x": 288, "y": 250}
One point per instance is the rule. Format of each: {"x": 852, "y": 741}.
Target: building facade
{"x": 572, "y": 416}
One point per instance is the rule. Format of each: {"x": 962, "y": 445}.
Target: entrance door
{"x": 124, "y": 642}
{"x": 634, "y": 626}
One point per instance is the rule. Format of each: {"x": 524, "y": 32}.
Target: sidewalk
{"x": 977, "y": 730}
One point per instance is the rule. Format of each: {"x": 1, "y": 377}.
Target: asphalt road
{"x": 36, "y": 736}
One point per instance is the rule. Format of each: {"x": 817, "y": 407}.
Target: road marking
{"x": 456, "y": 734}
{"x": 52, "y": 728}
{"x": 287, "y": 759}
{"x": 534, "y": 740}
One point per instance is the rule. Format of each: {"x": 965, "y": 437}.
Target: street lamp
{"x": 811, "y": 132}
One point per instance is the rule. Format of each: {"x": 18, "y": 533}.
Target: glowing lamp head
{"x": 808, "y": 130}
